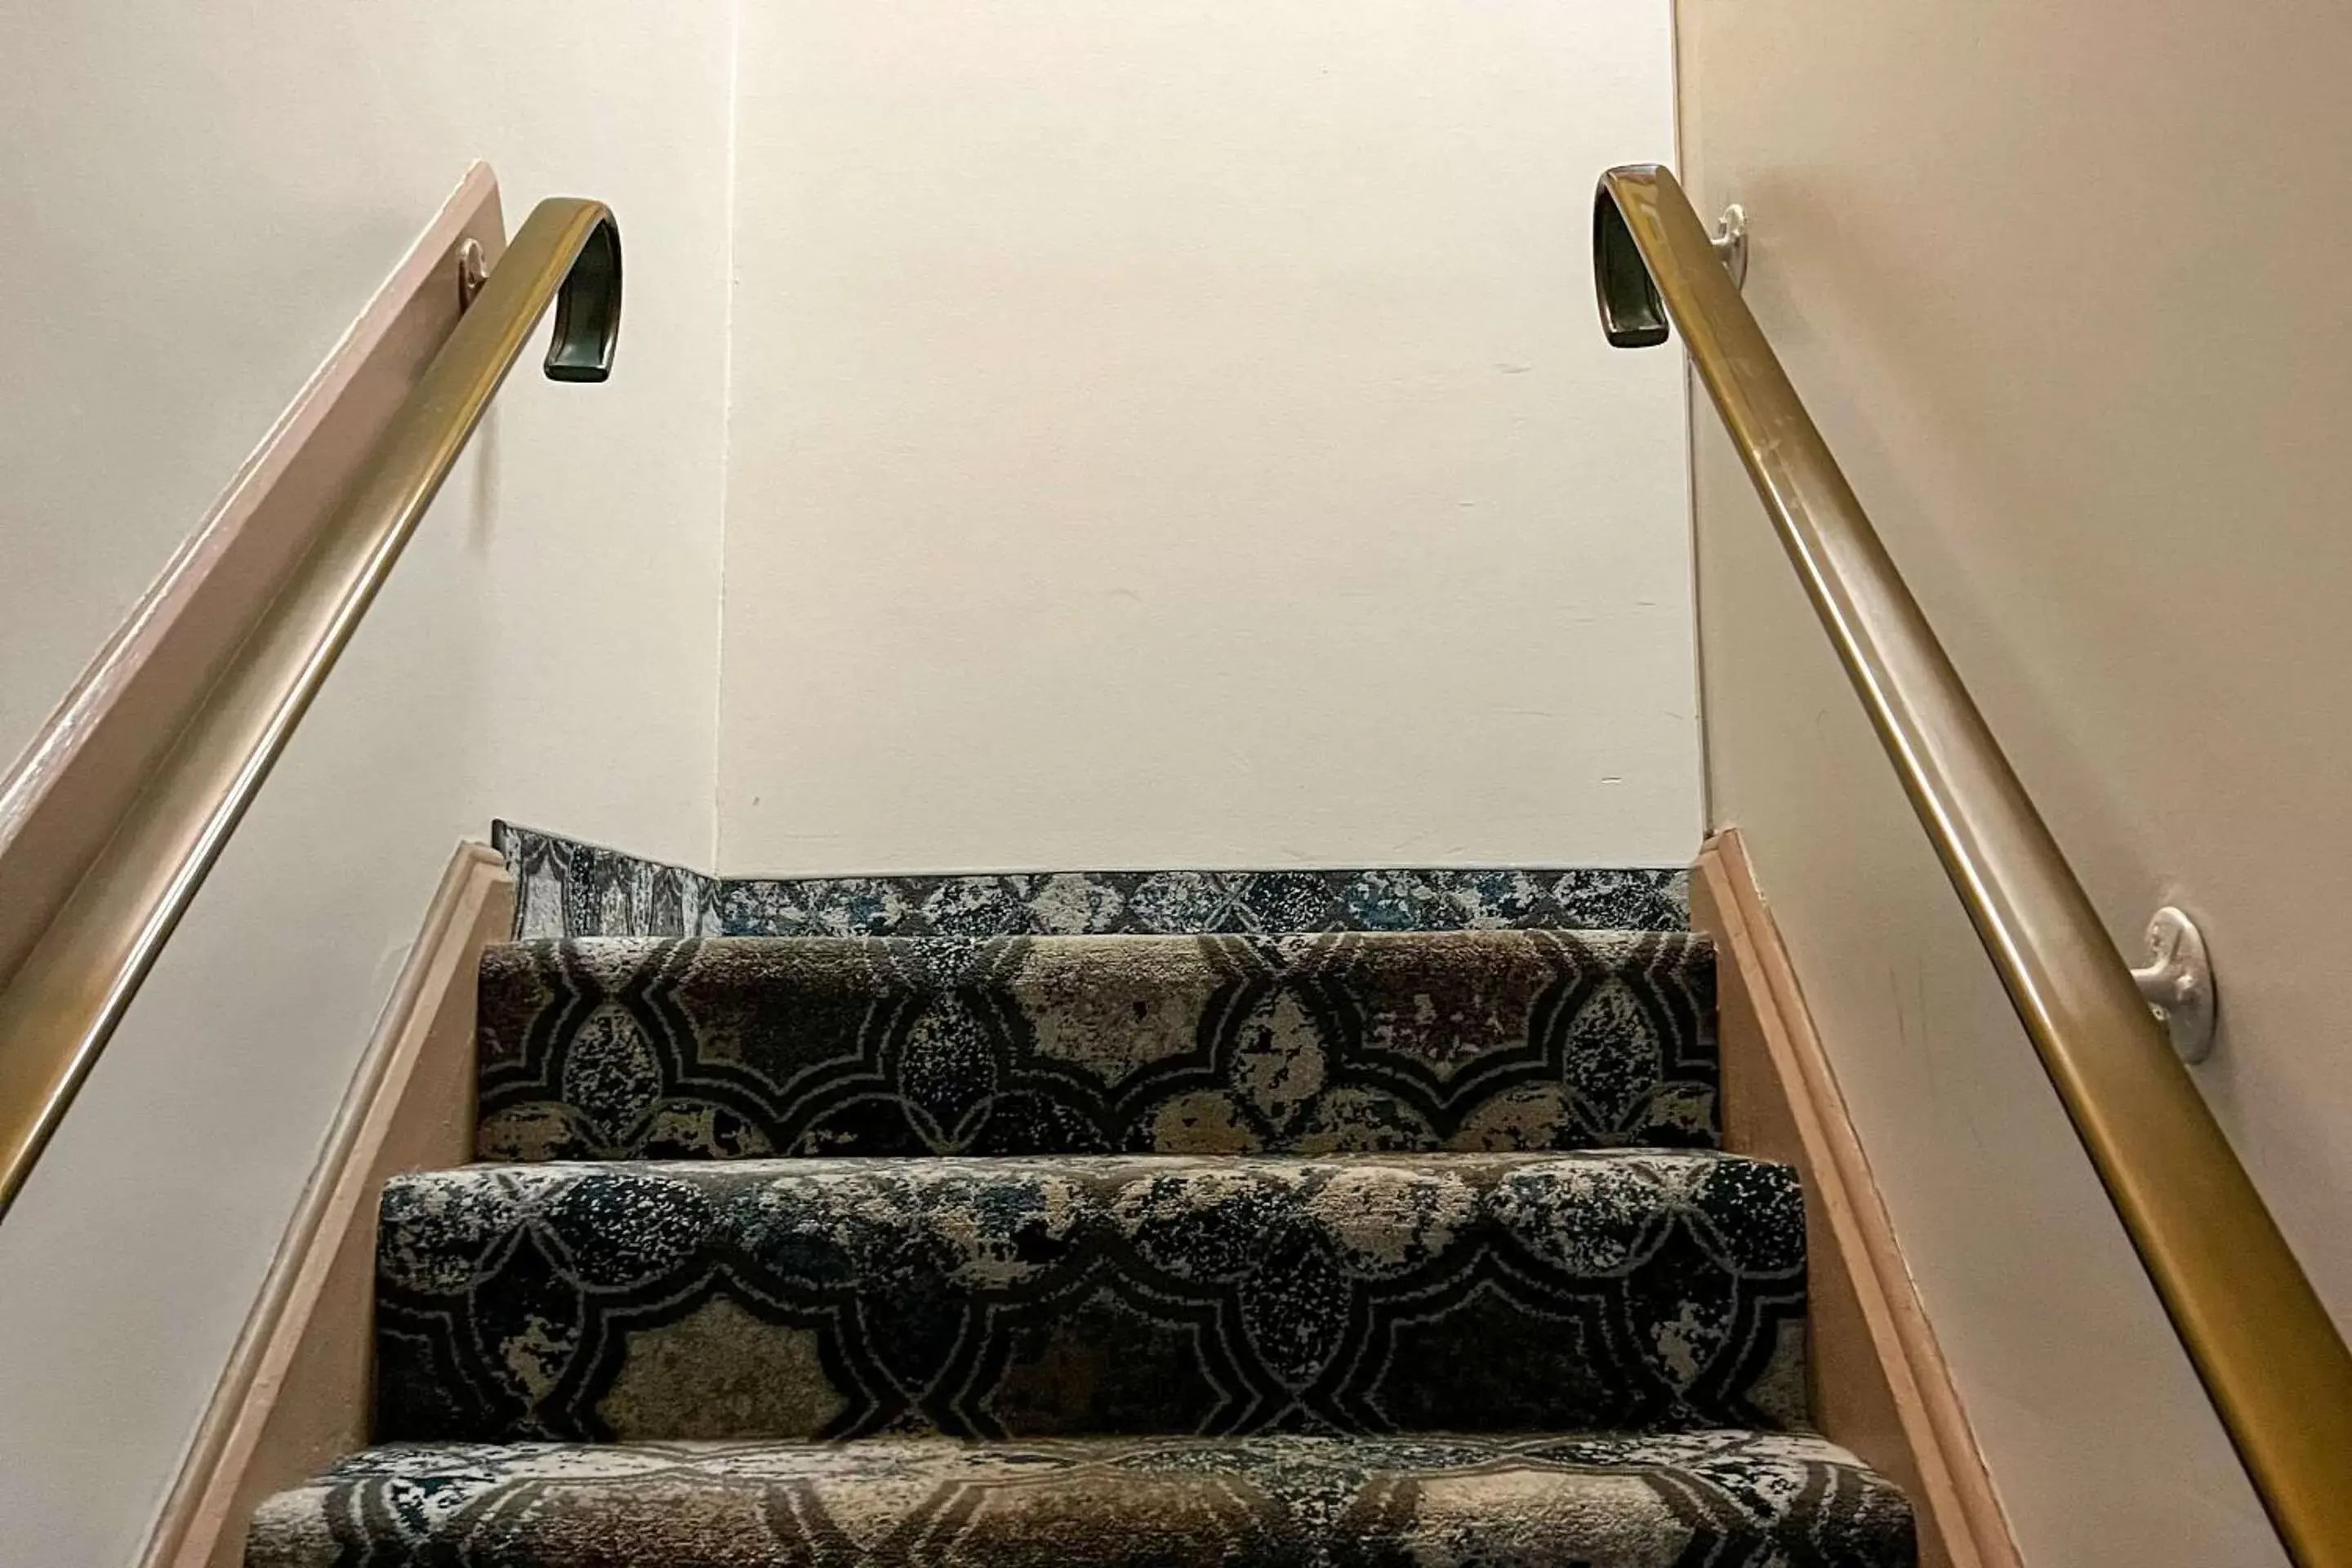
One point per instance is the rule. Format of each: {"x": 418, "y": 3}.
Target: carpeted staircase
{"x": 1346, "y": 1248}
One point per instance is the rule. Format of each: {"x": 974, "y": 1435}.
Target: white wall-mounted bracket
{"x": 1730, "y": 238}
{"x": 2179, "y": 983}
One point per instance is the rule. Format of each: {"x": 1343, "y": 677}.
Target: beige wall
{"x": 1172, "y": 432}
{"x": 196, "y": 200}
{"x": 2063, "y": 285}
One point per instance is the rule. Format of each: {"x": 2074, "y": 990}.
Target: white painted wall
{"x": 1176, "y": 433}
{"x": 2061, "y": 285}
{"x": 197, "y": 200}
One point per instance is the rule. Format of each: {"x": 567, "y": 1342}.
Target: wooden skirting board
{"x": 299, "y": 1388}
{"x": 1880, "y": 1386}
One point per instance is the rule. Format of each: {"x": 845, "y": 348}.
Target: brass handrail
{"x": 63, "y": 1003}
{"x": 2270, "y": 1356}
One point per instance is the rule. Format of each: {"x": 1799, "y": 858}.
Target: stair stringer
{"x": 299, "y": 1389}
{"x": 1879, "y": 1383}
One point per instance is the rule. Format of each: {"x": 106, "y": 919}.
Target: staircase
{"x": 1206, "y": 1241}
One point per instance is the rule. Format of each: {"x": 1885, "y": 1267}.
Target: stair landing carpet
{"x": 1229, "y": 1245}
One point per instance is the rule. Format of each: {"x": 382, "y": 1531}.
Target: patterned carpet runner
{"x": 1235, "y": 1247}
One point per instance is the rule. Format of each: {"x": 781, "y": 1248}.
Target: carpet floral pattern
{"x": 1474, "y": 1040}
{"x": 1693, "y": 1500}
{"x": 569, "y": 887}
{"x": 1093, "y": 1219}
{"x": 840, "y": 1299}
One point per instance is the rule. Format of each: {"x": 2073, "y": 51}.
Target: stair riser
{"x": 1176, "y": 903}
{"x": 1310, "y": 1044}
{"x": 843, "y": 1297}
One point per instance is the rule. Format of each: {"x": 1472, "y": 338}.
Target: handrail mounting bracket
{"x": 2178, "y": 983}
{"x": 1730, "y": 239}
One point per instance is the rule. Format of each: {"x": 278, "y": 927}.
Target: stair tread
{"x": 1731, "y": 1499}
{"x": 1118, "y": 1293}
{"x": 621, "y": 1048}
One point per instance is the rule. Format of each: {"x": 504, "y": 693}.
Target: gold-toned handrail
{"x": 2270, "y": 1356}
{"x": 63, "y": 1003}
